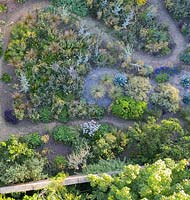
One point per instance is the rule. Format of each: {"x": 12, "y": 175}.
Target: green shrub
{"x": 128, "y": 108}
{"x": 78, "y": 7}
{"x": 162, "y": 78}
{"x": 156, "y": 140}
{"x": 104, "y": 166}
{"x": 65, "y": 134}
{"x": 45, "y": 115}
{"x": 138, "y": 88}
{"x": 63, "y": 116}
{"x": 3, "y": 8}
{"x": 33, "y": 140}
{"x": 167, "y": 97}
{"x": 108, "y": 143}
{"x": 185, "y": 56}
{"x": 6, "y": 78}
{"x": 19, "y": 163}
{"x": 60, "y": 162}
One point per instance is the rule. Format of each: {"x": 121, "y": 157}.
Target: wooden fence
{"x": 38, "y": 185}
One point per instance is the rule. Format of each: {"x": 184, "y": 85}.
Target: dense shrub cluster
{"x": 135, "y": 22}
{"x": 19, "y": 163}
{"x": 178, "y": 8}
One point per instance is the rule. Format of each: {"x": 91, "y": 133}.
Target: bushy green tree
{"x": 152, "y": 140}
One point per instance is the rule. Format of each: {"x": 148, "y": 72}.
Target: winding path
{"x": 97, "y": 28}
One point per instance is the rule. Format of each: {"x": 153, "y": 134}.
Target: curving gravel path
{"x": 97, "y": 28}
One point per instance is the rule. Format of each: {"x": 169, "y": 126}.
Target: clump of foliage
{"x": 138, "y": 88}
{"x": 128, "y": 108}
{"x": 186, "y": 99}
{"x": 19, "y": 163}
{"x": 164, "y": 179}
{"x": 65, "y": 134}
{"x": 153, "y": 141}
{"x": 77, "y": 159}
{"x": 185, "y": 81}
{"x": 33, "y": 140}
{"x": 60, "y": 162}
{"x": 98, "y": 92}
{"x": 120, "y": 80}
{"x": 3, "y": 8}
{"x": 104, "y": 166}
{"x": 81, "y": 110}
{"x": 178, "y": 9}
{"x": 6, "y": 78}
{"x": 78, "y": 7}
{"x": 108, "y": 144}
{"x": 166, "y": 96}
{"x": 185, "y": 56}
{"x": 162, "y": 78}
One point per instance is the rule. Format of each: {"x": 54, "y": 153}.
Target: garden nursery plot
{"x": 91, "y": 87}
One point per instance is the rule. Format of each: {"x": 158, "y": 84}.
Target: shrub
{"x": 81, "y": 110}
{"x": 98, "y": 92}
{"x": 185, "y": 81}
{"x": 104, "y": 166}
{"x": 6, "y": 78}
{"x": 166, "y": 96}
{"x": 60, "y": 162}
{"x": 45, "y": 114}
{"x": 138, "y": 88}
{"x": 185, "y": 56}
{"x": 115, "y": 92}
{"x": 128, "y": 108}
{"x": 186, "y": 99}
{"x": 33, "y": 140}
{"x": 120, "y": 80}
{"x": 3, "y": 8}
{"x": 63, "y": 116}
{"x": 108, "y": 146}
{"x": 162, "y": 78}
{"x": 153, "y": 139}
{"x": 78, "y": 7}
{"x": 65, "y": 134}
{"x": 77, "y": 160}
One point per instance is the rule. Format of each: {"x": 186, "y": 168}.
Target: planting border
{"x": 38, "y": 185}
